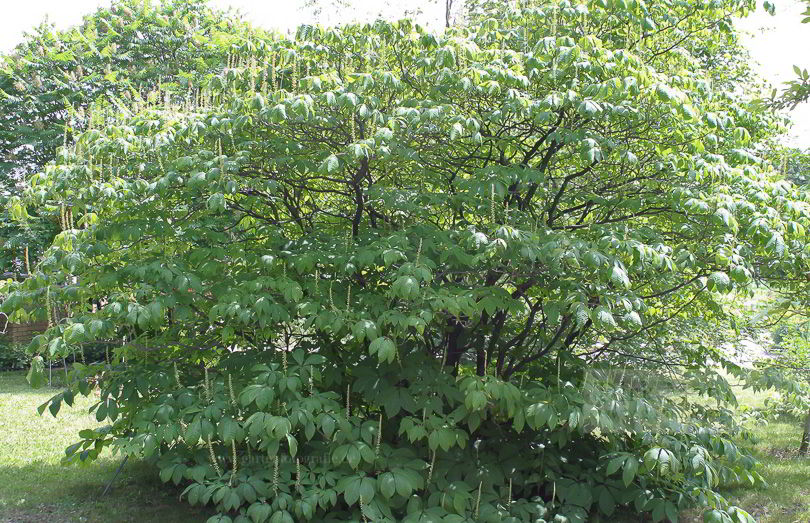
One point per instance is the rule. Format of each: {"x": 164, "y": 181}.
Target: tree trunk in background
{"x": 805, "y": 446}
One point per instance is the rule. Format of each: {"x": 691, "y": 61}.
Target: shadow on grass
{"x": 13, "y": 382}
{"x": 44, "y": 393}
{"x": 70, "y": 495}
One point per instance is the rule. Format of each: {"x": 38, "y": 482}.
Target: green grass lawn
{"x": 34, "y": 487}
{"x": 786, "y": 498}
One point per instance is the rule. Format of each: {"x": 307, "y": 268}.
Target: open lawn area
{"x": 35, "y": 488}
{"x": 786, "y": 498}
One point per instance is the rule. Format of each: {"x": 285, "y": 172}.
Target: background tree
{"x": 56, "y": 84}
{"x": 785, "y": 309}
{"x": 793, "y": 361}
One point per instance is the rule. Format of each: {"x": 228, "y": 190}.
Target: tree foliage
{"x": 57, "y": 84}
{"x": 374, "y": 273}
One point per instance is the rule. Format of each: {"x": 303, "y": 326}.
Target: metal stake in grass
{"x": 117, "y": 472}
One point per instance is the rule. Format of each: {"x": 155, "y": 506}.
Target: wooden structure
{"x": 21, "y": 333}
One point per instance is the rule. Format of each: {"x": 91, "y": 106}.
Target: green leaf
{"x": 634, "y": 319}
{"x": 330, "y": 164}
{"x": 216, "y": 202}
{"x": 615, "y": 464}
{"x": 590, "y": 109}
{"x": 719, "y": 281}
{"x": 607, "y": 504}
{"x": 36, "y": 374}
{"x": 590, "y": 152}
{"x": 365, "y": 329}
{"x": 384, "y": 348}
{"x": 619, "y": 277}
{"x": 629, "y": 470}
{"x": 603, "y": 318}
{"x": 406, "y": 287}
{"x": 278, "y": 113}
{"x": 259, "y": 512}
{"x": 671, "y": 511}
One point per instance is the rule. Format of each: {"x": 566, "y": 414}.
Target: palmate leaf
{"x": 355, "y": 488}
{"x": 661, "y": 460}
{"x": 719, "y": 281}
{"x": 581, "y": 313}
{"x": 615, "y": 464}
{"x": 384, "y": 348}
{"x": 406, "y": 287}
{"x": 365, "y": 329}
{"x": 633, "y": 318}
{"x": 259, "y": 512}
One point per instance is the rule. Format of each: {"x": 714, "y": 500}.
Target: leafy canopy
{"x": 377, "y": 273}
